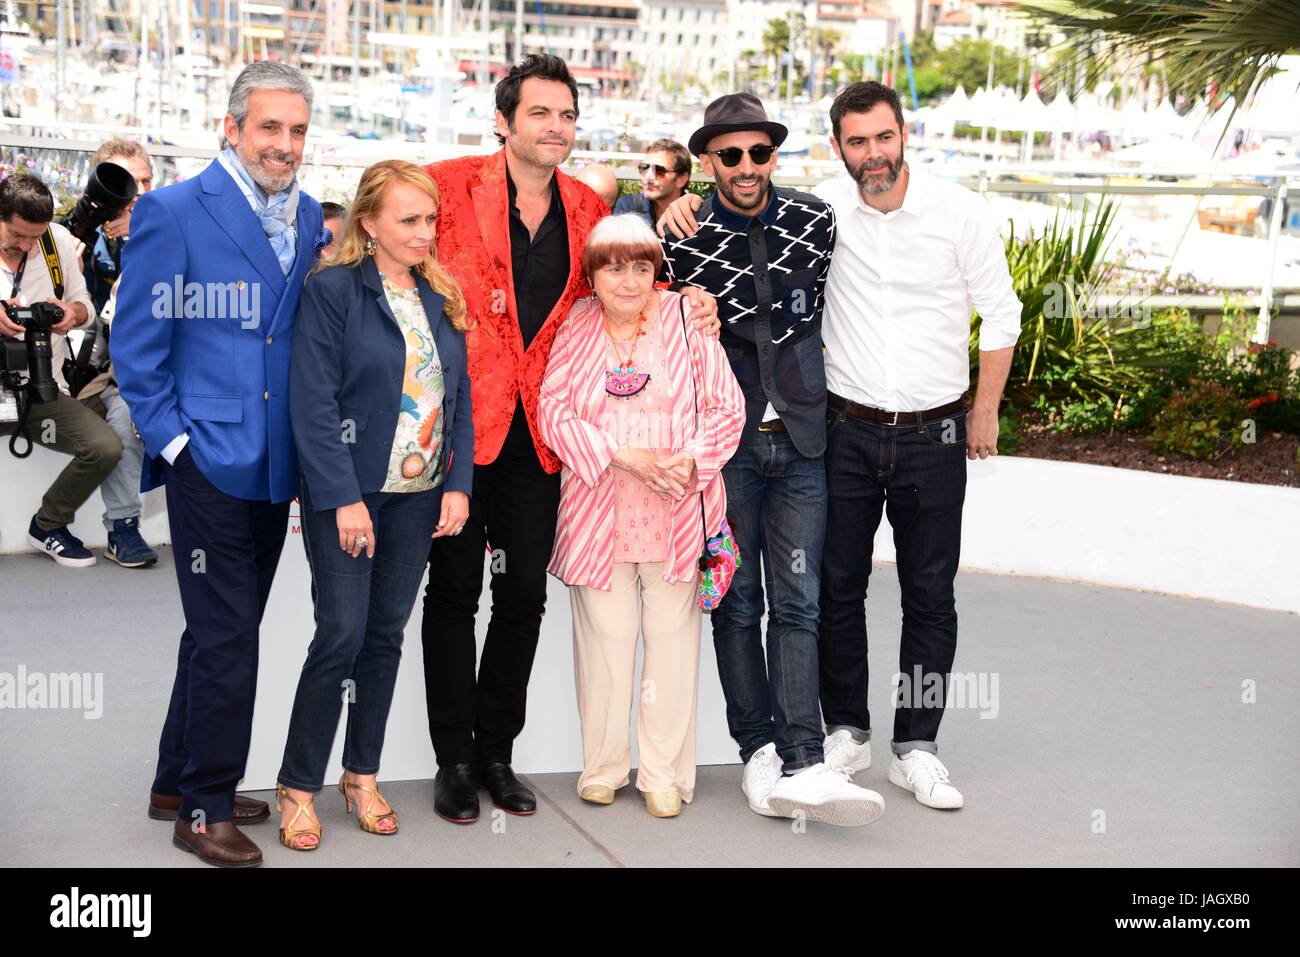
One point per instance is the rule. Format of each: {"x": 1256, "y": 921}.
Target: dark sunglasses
{"x": 659, "y": 170}
{"x": 731, "y": 155}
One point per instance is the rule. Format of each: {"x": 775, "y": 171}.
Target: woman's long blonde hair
{"x": 369, "y": 200}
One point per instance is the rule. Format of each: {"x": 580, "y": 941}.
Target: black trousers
{"x": 916, "y": 475}
{"x": 512, "y": 513}
{"x": 226, "y": 552}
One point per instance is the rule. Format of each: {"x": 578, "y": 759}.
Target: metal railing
{"x": 1082, "y": 180}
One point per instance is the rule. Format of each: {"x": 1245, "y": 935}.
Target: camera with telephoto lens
{"x": 33, "y": 355}
{"x": 108, "y": 193}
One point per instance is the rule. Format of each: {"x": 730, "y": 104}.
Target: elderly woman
{"x": 379, "y": 400}
{"x": 643, "y": 411}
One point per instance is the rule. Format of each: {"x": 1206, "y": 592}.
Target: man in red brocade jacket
{"x": 511, "y": 228}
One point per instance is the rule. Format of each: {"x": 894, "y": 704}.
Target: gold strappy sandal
{"x": 368, "y": 820}
{"x": 290, "y": 834}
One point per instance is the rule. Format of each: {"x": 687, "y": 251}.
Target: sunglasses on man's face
{"x": 659, "y": 170}
{"x": 731, "y": 155}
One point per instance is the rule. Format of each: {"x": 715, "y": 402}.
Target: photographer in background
{"x": 121, "y": 489}
{"x": 27, "y": 276}
{"x": 104, "y": 259}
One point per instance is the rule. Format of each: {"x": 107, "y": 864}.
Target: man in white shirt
{"x": 914, "y": 255}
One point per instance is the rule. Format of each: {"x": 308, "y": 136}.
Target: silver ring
{"x": 363, "y": 541}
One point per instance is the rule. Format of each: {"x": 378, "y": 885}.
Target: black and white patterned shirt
{"x": 768, "y": 274}
{"x": 793, "y": 236}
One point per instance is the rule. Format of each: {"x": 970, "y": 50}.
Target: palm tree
{"x": 1233, "y": 44}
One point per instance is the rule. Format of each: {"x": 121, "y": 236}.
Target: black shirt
{"x": 540, "y": 263}
{"x": 540, "y": 267}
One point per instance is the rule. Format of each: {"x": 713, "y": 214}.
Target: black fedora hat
{"x": 731, "y": 114}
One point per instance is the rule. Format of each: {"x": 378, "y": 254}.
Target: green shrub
{"x": 1085, "y": 415}
{"x": 1009, "y": 437}
{"x": 1261, "y": 374}
{"x": 1161, "y": 357}
{"x": 1063, "y": 355}
{"x": 1201, "y": 419}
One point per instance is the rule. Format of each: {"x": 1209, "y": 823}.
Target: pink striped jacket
{"x": 572, "y": 404}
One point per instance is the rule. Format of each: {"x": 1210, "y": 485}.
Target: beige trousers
{"x": 605, "y": 628}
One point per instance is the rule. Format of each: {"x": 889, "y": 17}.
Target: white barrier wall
{"x": 1203, "y": 538}
{"x": 1194, "y": 537}
{"x": 550, "y": 741}
{"x": 24, "y": 481}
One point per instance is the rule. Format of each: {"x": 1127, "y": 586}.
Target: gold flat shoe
{"x": 597, "y": 794}
{"x": 663, "y": 803}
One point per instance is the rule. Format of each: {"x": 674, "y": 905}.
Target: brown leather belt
{"x": 868, "y": 413}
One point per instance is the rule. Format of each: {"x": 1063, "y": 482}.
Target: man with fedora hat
{"x": 763, "y": 252}
{"x": 915, "y": 254}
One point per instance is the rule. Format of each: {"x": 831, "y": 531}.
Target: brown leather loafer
{"x": 165, "y": 807}
{"x": 221, "y": 844}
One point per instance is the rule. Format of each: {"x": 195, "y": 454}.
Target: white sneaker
{"x": 762, "y": 771}
{"x": 924, "y": 775}
{"x": 826, "y": 795}
{"x": 843, "y": 752}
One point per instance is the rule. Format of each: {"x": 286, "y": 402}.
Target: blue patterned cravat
{"x": 277, "y": 214}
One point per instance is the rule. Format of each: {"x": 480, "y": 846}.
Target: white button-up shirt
{"x": 901, "y": 289}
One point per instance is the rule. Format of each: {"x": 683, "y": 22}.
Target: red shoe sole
{"x": 457, "y": 820}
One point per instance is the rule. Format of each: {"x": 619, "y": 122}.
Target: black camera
{"x": 33, "y": 355}
{"x": 108, "y": 193}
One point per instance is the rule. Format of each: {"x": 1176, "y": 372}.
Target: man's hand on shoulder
{"x": 704, "y": 311}
{"x": 679, "y": 218}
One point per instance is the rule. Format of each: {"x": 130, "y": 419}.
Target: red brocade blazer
{"x": 474, "y": 244}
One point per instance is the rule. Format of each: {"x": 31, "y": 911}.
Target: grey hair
{"x": 266, "y": 75}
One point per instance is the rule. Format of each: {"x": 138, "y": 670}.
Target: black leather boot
{"x": 455, "y": 794}
{"x": 508, "y": 792}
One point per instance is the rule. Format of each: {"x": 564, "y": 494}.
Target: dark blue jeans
{"x": 776, "y": 502}
{"x": 915, "y": 474}
{"x": 362, "y": 606}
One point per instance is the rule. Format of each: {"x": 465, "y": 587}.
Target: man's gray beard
{"x": 259, "y": 175}
{"x": 863, "y": 179}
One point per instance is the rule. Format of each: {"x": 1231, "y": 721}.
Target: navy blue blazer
{"x": 345, "y": 385}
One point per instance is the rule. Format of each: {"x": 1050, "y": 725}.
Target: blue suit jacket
{"x": 345, "y": 385}
{"x": 202, "y": 334}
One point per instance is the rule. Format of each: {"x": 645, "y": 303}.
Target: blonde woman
{"x": 380, "y": 405}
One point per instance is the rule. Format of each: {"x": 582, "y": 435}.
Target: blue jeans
{"x": 776, "y": 503}
{"x": 916, "y": 475}
{"x": 121, "y": 490}
{"x": 362, "y": 606}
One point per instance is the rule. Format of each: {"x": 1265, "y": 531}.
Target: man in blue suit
{"x": 205, "y": 312}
